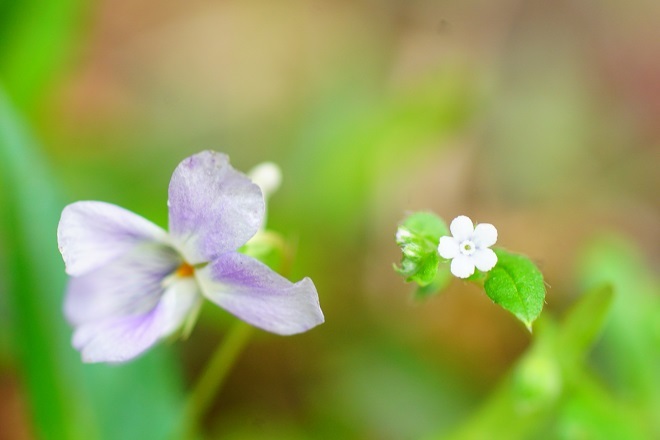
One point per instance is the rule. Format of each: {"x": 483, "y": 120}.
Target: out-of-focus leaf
{"x": 547, "y": 385}
{"x": 442, "y": 279}
{"x": 267, "y": 247}
{"x": 36, "y": 44}
{"x": 516, "y": 284}
{"x": 69, "y": 400}
{"x": 629, "y": 349}
{"x": 583, "y": 324}
{"x": 351, "y": 134}
{"x": 60, "y": 409}
{"x": 537, "y": 380}
{"x": 591, "y": 412}
{"x": 418, "y": 236}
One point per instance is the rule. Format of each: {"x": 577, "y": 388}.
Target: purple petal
{"x": 256, "y": 294}
{"x": 448, "y": 247}
{"x": 118, "y": 339}
{"x": 213, "y": 208}
{"x": 461, "y": 228}
{"x": 90, "y": 234}
{"x": 121, "y": 338}
{"x": 129, "y": 285}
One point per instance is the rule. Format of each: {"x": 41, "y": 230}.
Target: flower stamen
{"x": 185, "y": 270}
{"x": 467, "y": 247}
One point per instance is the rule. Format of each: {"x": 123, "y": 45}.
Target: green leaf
{"x": 36, "y": 47}
{"x": 551, "y": 390}
{"x": 67, "y": 399}
{"x": 442, "y": 279}
{"x": 631, "y": 338}
{"x": 583, "y": 323}
{"x": 516, "y": 284}
{"x": 418, "y": 236}
{"x": 267, "y": 247}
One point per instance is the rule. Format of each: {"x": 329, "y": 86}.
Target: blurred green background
{"x": 539, "y": 117}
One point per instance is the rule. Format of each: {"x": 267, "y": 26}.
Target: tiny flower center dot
{"x": 185, "y": 270}
{"x": 467, "y": 247}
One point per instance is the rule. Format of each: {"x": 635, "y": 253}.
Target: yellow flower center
{"x": 185, "y": 270}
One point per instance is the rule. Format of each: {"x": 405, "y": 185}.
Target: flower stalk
{"x": 213, "y": 377}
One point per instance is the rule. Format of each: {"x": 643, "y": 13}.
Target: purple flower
{"x": 132, "y": 283}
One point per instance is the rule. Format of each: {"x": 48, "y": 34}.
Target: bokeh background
{"x": 541, "y": 117}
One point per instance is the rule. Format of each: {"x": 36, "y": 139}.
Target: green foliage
{"x": 67, "y": 399}
{"x": 36, "y": 42}
{"x": 629, "y": 352}
{"x": 418, "y": 236}
{"x": 442, "y": 279}
{"x": 350, "y": 136}
{"x": 516, "y": 284}
{"x": 547, "y": 386}
{"x": 269, "y": 248}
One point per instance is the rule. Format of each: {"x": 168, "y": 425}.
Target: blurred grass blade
{"x": 35, "y": 41}
{"x": 545, "y": 380}
{"x": 69, "y": 400}
{"x": 30, "y": 216}
{"x": 583, "y": 323}
{"x": 631, "y": 338}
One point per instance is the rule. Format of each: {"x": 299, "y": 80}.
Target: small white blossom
{"x": 469, "y": 247}
{"x": 268, "y": 176}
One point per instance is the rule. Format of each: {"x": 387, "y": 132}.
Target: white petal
{"x": 462, "y": 266}
{"x": 268, "y": 176}
{"x": 129, "y": 285}
{"x": 461, "y": 228}
{"x": 118, "y": 339}
{"x": 448, "y": 247}
{"x": 90, "y": 234}
{"x": 179, "y": 301}
{"x": 121, "y": 338}
{"x": 485, "y": 235}
{"x": 484, "y": 259}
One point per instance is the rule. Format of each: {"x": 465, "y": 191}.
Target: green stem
{"x": 210, "y": 382}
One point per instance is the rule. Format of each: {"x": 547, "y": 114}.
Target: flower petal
{"x": 461, "y": 228}
{"x": 179, "y": 301}
{"x": 485, "y": 235}
{"x": 484, "y": 259}
{"x": 268, "y": 176}
{"x": 448, "y": 247}
{"x": 462, "y": 266}
{"x": 129, "y": 285}
{"x": 213, "y": 208}
{"x": 121, "y": 338}
{"x": 90, "y": 234}
{"x": 256, "y": 294}
{"x": 118, "y": 339}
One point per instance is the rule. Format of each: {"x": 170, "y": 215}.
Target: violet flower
{"x": 132, "y": 283}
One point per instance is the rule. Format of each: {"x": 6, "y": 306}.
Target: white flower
{"x": 268, "y": 176}
{"x": 469, "y": 247}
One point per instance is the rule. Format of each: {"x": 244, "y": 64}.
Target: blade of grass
{"x": 68, "y": 400}
{"x": 36, "y": 44}
{"x": 35, "y": 286}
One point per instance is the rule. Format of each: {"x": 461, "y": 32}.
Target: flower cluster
{"x": 132, "y": 283}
